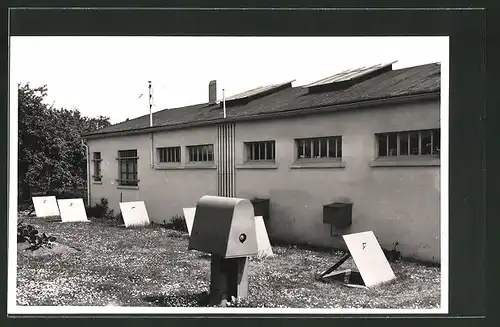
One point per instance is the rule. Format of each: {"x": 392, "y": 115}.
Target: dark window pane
{"x": 300, "y": 149}
{"x": 382, "y": 145}
{"x": 191, "y": 154}
{"x": 414, "y": 151}
{"x": 403, "y": 144}
{"x": 127, "y": 153}
{"x": 331, "y": 148}
{"x": 270, "y": 150}
{"x": 338, "y": 141}
{"x": 426, "y": 143}
{"x": 316, "y": 149}
{"x": 249, "y": 151}
{"x": 204, "y": 153}
{"x": 307, "y": 151}
{"x": 210, "y": 153}
{"x": 323, "y": 148}
{"x": 436, "y": 142}
{"x": 262, "y": 150}
{"x": 393, "y": 144}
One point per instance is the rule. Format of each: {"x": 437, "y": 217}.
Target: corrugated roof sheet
{"x": 394, "y": 83}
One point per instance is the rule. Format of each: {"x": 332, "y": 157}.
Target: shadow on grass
{"x": 205, "y": 256}
{"x": 180, "y": 300}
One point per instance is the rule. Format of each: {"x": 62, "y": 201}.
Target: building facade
{"x": 379, "y": 153}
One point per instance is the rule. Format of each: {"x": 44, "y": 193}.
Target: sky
{"x": 107, "y": 75}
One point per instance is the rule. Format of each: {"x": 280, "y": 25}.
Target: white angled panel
{"x": 72, "y": 210}
{"x": 369, "y": 258}
{"x": 263, "y": 244}
{"x": 189, "y": 218}
{"x": 134, "y": 213}
{"x": 45, "y": 206}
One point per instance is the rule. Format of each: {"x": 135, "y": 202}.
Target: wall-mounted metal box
{"x": 338, "y": 214}
{"x": 225, "y": 227}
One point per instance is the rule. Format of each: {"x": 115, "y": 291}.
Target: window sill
{"x": 318, "y": 164}
{"x": 97, "y": 182}
{"x": 126, "y": 187}
{"x": 257, "y": 165}
{"x": 406, "y": 162}
{"x": 199, "y": 166}
{"x": 168, "y": 166}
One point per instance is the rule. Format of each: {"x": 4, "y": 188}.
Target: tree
{"x": 51, "y": 156}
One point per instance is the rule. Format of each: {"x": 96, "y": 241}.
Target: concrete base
{"x": 228, "y": 277}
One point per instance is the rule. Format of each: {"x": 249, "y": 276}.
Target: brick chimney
{"x": 212, "y": 92}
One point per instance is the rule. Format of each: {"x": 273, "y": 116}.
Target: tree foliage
{"x": 51, "y": 155}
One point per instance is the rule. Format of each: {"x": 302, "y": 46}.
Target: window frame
{"x": 301, "y": 143}
{"x": 408, "y": 134}
{"x": 177, "y": 154}
{"x": 253, "y": 147}
{"x": 127, "y": 182}
{"x": 97, "y": 167}
{"x": 198, "y": 147}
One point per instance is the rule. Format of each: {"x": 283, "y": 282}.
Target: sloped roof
{"x": 418, "y": 80}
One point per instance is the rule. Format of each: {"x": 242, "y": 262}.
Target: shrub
{"x": 176, "y": 223}
{"x": 27, "y": 233}
{"x": 392, "y": 255}
{"x": 99, "y": 210}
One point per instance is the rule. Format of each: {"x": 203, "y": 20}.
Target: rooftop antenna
{"x": 224, "y": 102}
{"x": 150, "y": 106}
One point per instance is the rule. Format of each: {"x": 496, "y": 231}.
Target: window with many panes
{"x": 127, "y": 163}
{"x": 319, "y": 148}
{"x": 201, "y": 153}
{"x": 260, "y": 151}
{"x": 96, "y": 159}
{"x": 409, "y": 143}
{"x": 170, "y": 154}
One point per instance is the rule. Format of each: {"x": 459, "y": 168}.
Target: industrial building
{"x": 369, "y": 137}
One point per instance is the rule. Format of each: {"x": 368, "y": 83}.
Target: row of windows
{"x": 410, "y": 143}
{"x": 197, "y": 153}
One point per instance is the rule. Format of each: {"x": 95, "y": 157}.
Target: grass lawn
{"x": 152, "y": 267}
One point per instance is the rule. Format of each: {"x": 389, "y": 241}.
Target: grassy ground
{"x": 152, "y": 267}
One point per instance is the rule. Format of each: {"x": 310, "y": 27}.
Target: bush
{"x": 176, "y": 223}
{"x": 392, "y": 255}
{"x": 101, "y": 210}
{"x": 27, "y": 233}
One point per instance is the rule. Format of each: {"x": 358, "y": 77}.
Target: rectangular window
{"x": 127, "y": 163}
{"x": 201, "y": 153}
{"x": 319, "y": 148}
{"x": 170, "y": 154}
{"x": 96, "y": 159}
{"x": 409, "y": 143}
{"x": 260, "y": 151}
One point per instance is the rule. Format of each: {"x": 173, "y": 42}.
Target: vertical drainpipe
{"x": 224, "y": 102}
{"x": 89, "y": 183}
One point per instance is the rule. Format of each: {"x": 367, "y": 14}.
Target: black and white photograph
{"x": 201, "y": 174}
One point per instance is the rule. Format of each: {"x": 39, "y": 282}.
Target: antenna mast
{"x": 150, "y": 106}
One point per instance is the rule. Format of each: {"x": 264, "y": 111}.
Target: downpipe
{"x": 87, "y": 151}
